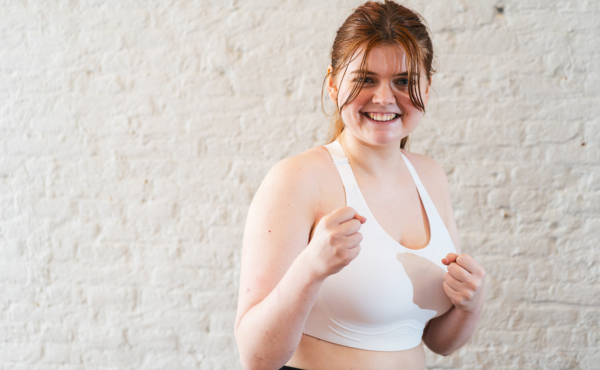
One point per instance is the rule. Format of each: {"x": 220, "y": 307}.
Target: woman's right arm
{"x": 281, "y": 272}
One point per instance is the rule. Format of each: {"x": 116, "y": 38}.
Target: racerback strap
{"x": 341, "y": 162}
{"x": 412, "y": 171}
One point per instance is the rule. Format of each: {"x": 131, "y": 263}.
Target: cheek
{"x": 354, "y": 107}
{"x": 344, "y": 92}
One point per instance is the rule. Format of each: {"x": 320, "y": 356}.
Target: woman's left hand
{"x": 463, "y": 283}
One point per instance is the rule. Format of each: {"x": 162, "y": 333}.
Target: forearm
{"x": 268, "y": 334}
{"x": 452, "y": 330}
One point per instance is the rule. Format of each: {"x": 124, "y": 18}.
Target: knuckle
{"x": 332, "y": 238}
{"x": 359, "y": 237}
{"x": 467, "y": 295}
{"x": 472, "y": 286}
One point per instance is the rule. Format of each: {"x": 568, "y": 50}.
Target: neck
{"x": 379, "y": 161}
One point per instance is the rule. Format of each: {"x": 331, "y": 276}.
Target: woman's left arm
{"x": 463, "y": 284}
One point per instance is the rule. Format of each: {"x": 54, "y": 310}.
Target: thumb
{"x": 360, "y": 218}
{"x": 451, "y": 257}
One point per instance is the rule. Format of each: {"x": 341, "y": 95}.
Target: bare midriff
{"x": 317, "y": 354}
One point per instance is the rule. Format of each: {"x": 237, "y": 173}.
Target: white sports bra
{"x": 384, "y": 298}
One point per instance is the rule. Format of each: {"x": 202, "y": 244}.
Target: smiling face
{"x": 382, "y": 112}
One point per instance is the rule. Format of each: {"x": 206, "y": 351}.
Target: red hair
{"x": 373, "y": 24}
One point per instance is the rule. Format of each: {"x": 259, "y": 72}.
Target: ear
{"x": 331, "y": 86}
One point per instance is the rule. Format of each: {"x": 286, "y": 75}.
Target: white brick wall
{"x": 133, "y": 135}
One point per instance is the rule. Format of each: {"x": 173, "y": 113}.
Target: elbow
{"x": 256, "y": 362}
{"x": 445, "y": 353}
{"x": 441, "y": 349}
{"x": 247, "y": 365}
{"x": 251, "y": 362}
{"x": 445, "y": 350}
{"x": 251, "y": 359}
{"x": 261, "y": 361}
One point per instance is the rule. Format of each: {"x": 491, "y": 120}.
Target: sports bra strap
{"x": 412, "y": 171}
{"x": 341, "y": 162}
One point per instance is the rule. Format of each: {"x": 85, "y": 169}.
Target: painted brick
{"x": 135, "y": 134}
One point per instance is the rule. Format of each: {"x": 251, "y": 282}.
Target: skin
{"x": 299, "y": 231}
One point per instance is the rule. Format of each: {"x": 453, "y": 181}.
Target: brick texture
{"x": 133, "y": 135}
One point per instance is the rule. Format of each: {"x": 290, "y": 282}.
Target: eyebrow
{"x": 375, "y": 74}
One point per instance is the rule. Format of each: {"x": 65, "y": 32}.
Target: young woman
{"x": 351, "y": 257}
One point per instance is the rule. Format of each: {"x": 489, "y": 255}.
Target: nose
{"x": 384, "y": 95}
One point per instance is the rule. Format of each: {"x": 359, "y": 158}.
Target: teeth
{"x": 382, "y": 116}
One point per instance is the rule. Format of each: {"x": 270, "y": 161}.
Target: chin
{"x": 385, "y": 139}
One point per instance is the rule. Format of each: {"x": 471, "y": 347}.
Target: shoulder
{"x": 303, "y": 166}
{"x": 427, "y": 168}
{"x": 302, "y": 172}
{"x": 302, "y": 181}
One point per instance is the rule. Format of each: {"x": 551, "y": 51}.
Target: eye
{"x": 402, "y": 82}
{"x": 367, "y": 80}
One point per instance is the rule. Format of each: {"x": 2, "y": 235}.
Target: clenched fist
{"x": 335, "y": 242}
{"x": 463, "y": 283}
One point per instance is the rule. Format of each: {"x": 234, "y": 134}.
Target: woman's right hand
{"x": 335, "y": 242}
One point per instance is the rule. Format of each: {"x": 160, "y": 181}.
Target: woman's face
{"x": 382, "y": 112}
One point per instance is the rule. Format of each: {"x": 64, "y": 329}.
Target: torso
{"x": 399, "y": 211}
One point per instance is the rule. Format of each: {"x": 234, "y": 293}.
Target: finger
{"x": 451, "y": 293}
{"x": 468, "y": 263}
{"x": 350, "y": 227}
{"x": 453, "y": 283}
{"x": 451, "y": 257}
{"x": 342, "y": 214}
{"x": 354, "y": 240}
{"x": 360, "y": 218}
{"x": 458, "y": 272}
{"x": 353, "y": 252}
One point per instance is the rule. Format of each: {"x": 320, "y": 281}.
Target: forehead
{"x": 382, "y": 59}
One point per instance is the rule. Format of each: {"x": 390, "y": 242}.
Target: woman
{"x": 351, "y": 257}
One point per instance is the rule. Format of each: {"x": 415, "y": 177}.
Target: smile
{"x": 382, "y": 117}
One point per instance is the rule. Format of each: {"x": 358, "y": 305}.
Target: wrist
{"x": 476, "y": 308}
{"x": 307, "y": 266}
